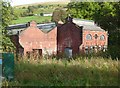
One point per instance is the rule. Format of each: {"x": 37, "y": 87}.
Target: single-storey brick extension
{"x": 75, "y": 36}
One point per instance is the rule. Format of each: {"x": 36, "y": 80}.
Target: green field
{"x": 83, "y": 71}
{"x": 38, "y": 19}
{"x": 22, "y": 13}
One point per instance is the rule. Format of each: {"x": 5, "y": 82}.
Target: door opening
{"x": 68, "y": 52}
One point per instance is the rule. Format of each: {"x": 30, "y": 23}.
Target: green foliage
{"x": 36, "y": 9}
{"x": 59, "y": 15}
{"x": 6, "y": 14}
{"x": 7, "y": 45}
{"x": 19, "y": 12}
{"x": 31, "y": 9}
{"x": 41, "y": 14}
{"x": 106, "y": 15}
{"x": 83, "y": 10}
{"x": 23, "y": 7}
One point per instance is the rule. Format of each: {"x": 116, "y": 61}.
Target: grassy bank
{"x": 78, "y": 72}
{"x": 38, "y": 19}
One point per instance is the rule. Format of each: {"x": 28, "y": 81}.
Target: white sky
{"x": 21, "y": 2}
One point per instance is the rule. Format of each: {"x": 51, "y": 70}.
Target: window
{"x": 89, "y": 37}
{"x": 102, "y": 37}
{"x": 96, "y": 36}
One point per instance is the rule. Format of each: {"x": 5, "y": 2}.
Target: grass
{"x": 38, "y": 19}
{"x": 96, "y": 71}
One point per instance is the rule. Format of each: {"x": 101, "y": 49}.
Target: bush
{"x": 114, "y": 52}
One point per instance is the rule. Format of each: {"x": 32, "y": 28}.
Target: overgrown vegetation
{"x": 94, "y": 71}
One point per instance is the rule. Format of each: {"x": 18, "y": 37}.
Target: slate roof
{"x": 14, "y": 29}
{"x": 87, "y": 24}
{"x": 46, "y": 27}
{"x": 17, "y": 26}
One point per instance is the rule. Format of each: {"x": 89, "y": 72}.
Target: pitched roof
{"x": 87, "y": 24}
{"x": 17, "y": 26}
{"x": 46, "y": 27}
{"x": 14, "y": 29}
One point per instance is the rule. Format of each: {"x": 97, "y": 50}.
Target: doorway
{"x": 68, "y": 52}
{"x": 37, "y": 53}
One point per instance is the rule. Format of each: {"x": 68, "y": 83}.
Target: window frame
{"x": 88, "y": 37}
{"x": 102, "y": 37}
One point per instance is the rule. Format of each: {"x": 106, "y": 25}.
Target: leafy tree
{"x": 39, "y": 6}
{"x": 59, "y": 14}
{"x": 83, "y": 10}
{"x": 31, "y": 9}
{"x": 41, "y": 14}
{"x": 23, "y": 7}
{"x": 106, "y": 15}
{"x": 7, "y": 45}
{"x": 15, "y": 15}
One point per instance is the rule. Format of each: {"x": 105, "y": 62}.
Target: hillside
{"x": 53, "y": 2}
{"x": 27, "y": 12}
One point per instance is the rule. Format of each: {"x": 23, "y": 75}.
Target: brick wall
{"x": 69, "y": 36}
{"x": 94, "y": 41}
{"x": 34, "y": 38}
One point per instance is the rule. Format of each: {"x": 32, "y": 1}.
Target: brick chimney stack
{"x": 33, "y": 24}
{"x": 69, "y": 19}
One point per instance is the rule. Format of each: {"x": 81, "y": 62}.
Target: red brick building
{"x": 34, "y": 39}
{"x": 93, "y": 37}
{"x": 73, "y": 37}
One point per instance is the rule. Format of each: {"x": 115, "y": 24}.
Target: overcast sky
{"x": 21, "y": 2}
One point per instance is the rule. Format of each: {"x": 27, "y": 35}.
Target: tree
{"x": 106, "y": 15}
{"x": 83, "y": 10}
{"x": 59, "y": 14}
{"x": 7, "y": 45}
{"x": 31, "y": 9}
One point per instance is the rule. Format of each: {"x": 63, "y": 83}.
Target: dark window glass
{"x": 96, "y": 36}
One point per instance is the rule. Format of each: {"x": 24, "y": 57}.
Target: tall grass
{"x": 94, "y": 71}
